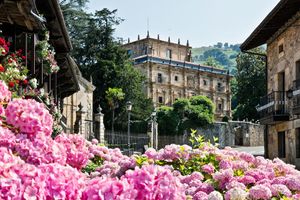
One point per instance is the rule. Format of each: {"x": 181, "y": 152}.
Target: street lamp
{"x": 128, "y": 108}
{"x": 154, "y": 130}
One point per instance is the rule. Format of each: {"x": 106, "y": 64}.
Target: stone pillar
{"x": 100, "y": 129}
{"x": 291, "y": 144}
{"x": 80, "y": 122}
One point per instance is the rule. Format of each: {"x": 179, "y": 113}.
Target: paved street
{"x": 257, "y": 151}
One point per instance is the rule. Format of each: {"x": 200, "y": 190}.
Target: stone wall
{"x": 233, "y": 133}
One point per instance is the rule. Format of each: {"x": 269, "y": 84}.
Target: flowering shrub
{"x": 76, "y": 149}
{"x": 47, "y": 55}
{"x": 5, "y": 94}
{"x": 13, "y": 70}
{"x": 29, "y": 116}
{"x": 50, "y": 64}
{"x": 35, "y": 166}
{"x": 3, "y": 47}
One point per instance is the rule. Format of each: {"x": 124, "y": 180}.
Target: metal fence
{"x": 119, "y": 139}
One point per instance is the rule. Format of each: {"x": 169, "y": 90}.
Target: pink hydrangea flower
{"x": 236, "y": 194}
{"x": 260, "y": 192}
{"x": 7, "y": 138}
{"x": 279, "y": 189}
{"x": 107, "y": 188}
{"x": 200, "y": 196}
{"x": 208, "y": 168}
{"x": 223, "y": 177}
{"x": 95, "y": 141}
{"x": 76, "y": 148}
{"x": 224, "y": 164}
{"x": 5, "y": 94}
{"x": 215, "y": 195}
{"x": 29, "y": 116}
{"x": 154, "y": 182}
{"x": 40, "y": 149}
{"x": 247, "y": 157}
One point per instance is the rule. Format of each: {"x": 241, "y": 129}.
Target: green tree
{"x": 77, "y": 21}
{"x": 210, "y": 61}
{"x": 218, "y": 55}
{"x": 167, "y": 120}
{"x": 100, "y": 57}
{"x": 200, "y": 112}
{"x": 250, "y": 84}
{"x": 185, "y": 114}
{"x": 113, "y": 97}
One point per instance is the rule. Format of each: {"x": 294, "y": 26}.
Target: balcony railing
{"x": 273, "y": 107}
{"x": 296, "y": 84}
{"x": 296, "y": 97}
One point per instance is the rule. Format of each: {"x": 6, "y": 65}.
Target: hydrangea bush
{"x": 33, "y": 165}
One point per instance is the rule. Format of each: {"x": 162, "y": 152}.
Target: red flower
{"x": 11, "y": 84}
{"x": 24, "y": 57}
{"x": 25, "y": 82}
{"x": 17, "y": 81}
{"x": 2, "y": 69}
{"x": 2, "y": 41}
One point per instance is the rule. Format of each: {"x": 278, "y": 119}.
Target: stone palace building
{"x": 171, "y": 74}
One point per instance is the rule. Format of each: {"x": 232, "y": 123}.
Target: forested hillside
{"x": 219, "y": 55}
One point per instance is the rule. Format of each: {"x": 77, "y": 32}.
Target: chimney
{"x": 169, "y": 40}
{"x": 138, "y": 37}
{"x": 158, "y": 36}
{"x": 128, "y": 41}
{"x": 178, "y": 40}
{"x": 187, "y": 43}
{"x": 148, "y": 34}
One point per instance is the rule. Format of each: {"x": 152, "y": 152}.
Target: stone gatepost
{"x": 79, "y": 126}
{"x": 100, "y": 129}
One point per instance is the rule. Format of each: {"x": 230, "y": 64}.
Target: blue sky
{"x": 202, "y": 22}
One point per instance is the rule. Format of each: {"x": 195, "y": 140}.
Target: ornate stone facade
{"x": 172, "y": 75}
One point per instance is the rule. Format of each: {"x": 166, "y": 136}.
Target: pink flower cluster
{"x": 19, "y": 180}
{"x": 29, "y": 116}
{"x": 76, "y": 148}
{"x": 115, "y": 163}
{"x": 238, "y": 175}
{"x": 35, "y": 166}
{"x": 149, "y": 182}
{"x": 40, "y": 150}
{"x": 5, "y": 94}
{"x": 170, "y": 153}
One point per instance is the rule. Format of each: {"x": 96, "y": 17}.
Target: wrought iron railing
{"x": 137, "y": 140}
{"x": 274, "y": 103}
{"x": 296, "y": 84}
{"x": 296, "y": 96}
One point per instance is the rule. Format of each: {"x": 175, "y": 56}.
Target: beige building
{"x": 78, "y": 108}
{"x": 280, "y": 109}
{"x": 172, "y": 75}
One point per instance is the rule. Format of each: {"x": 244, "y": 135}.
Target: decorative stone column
{"x": 79, "y": 126}
{"x": 100, "y": 129}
